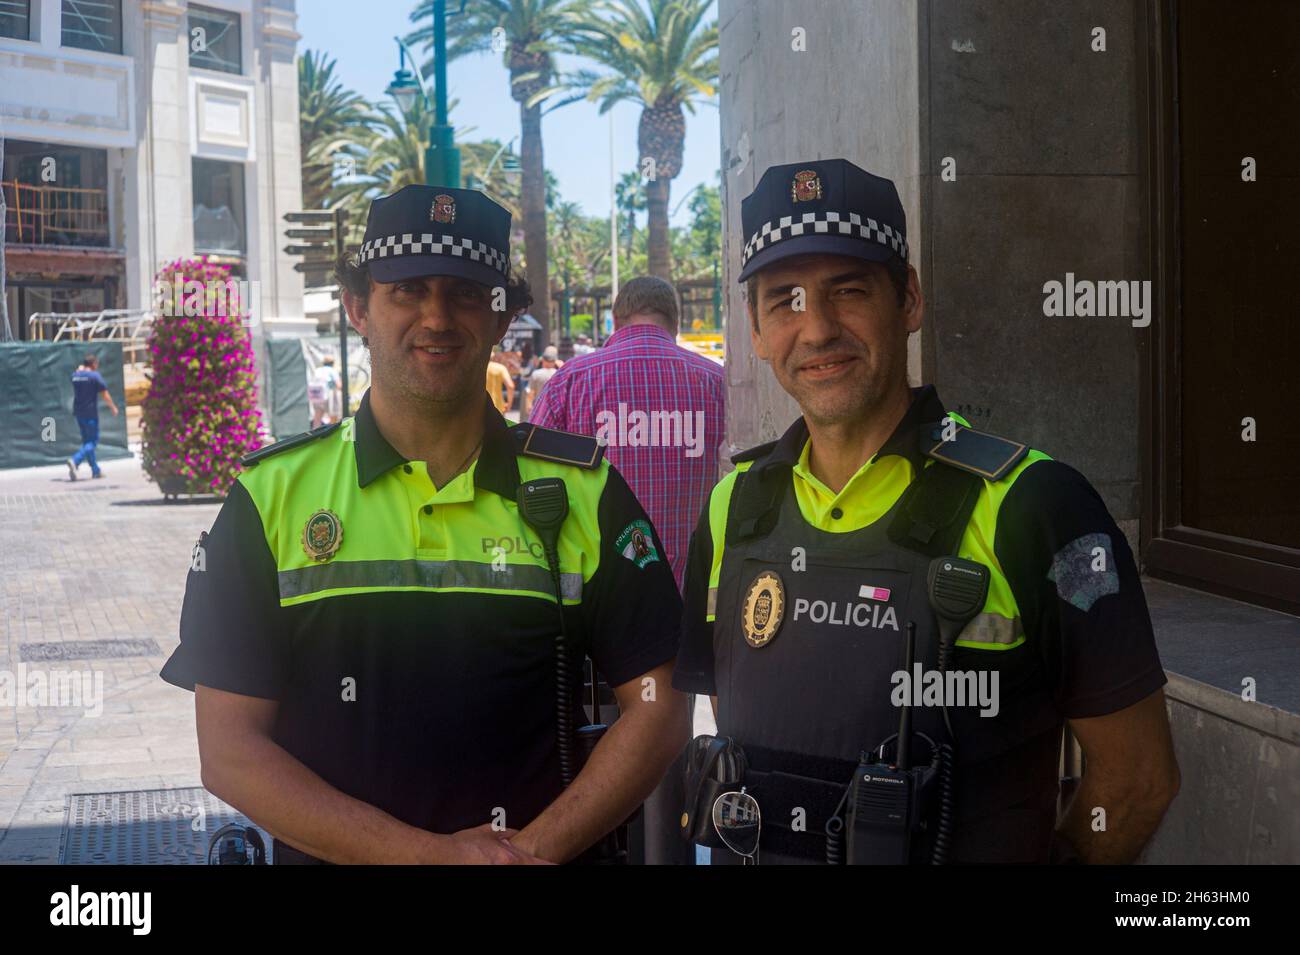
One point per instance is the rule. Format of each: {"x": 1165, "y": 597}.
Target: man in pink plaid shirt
{"x": 657, "y": 406}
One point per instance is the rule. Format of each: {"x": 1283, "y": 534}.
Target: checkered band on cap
{"x": 409, "y": 243}
{"x": 824, "y": 223}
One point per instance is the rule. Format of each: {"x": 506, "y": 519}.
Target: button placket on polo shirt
{"x": 425, "y": 542}
{"x": 434, "y": 508}
{"x": 829, "y": 507}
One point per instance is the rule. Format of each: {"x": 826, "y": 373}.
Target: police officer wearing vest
{"x": 816, "y": 553}
{"x": 374, "y": 633}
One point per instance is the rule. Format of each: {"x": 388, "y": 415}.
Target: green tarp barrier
{"x": 290, "y": 410}
{"x": 287, "y": 369}
{"x": 36, "y": 422}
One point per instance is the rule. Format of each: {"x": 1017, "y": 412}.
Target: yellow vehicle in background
{"x": 708, "y": 344}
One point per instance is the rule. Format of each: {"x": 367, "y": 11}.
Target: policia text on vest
{"x": 871, "y": 540}
{"x": 386, "y": 645}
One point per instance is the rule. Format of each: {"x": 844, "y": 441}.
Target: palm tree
{"x": 663, "y": 57}
{"x": 531, "y": 31}
{"x": 579, "y": 247}
{"x": 706, "y": 223}
{"x": 328, "y": 115}
{"x": 629, "y": 197}
{"x": 392, "y": 156}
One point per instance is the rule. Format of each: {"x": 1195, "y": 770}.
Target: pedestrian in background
{"x": 528, "y": 361}
{"x": 642, "y": 375}
{"x": 324, "y": 393}
{"x": 641, "y": 368}
{"x": 541, "y": 375}
{"x": 499, "y": 383}
{"x": 87, "y": 385}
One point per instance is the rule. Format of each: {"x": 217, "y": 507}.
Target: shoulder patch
{"x": 579, "y": 450}
{"x": 752, "y": 454}
{"x": 297, "y": 440}
{"x": 977, "y": 452}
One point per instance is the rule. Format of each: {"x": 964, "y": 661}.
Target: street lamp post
{"x": 441, "y": 158}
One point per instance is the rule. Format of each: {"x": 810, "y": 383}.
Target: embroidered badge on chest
{"x": 322, "y": 535}
{"x": 764, "y": 609}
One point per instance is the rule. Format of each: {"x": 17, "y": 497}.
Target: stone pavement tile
{"x": 56, "y": 774}
{"x": 119, "y": 784}
{"x": 99, "y": 757}
{"x": 144, "y": 701}
{"x": 142, "y": 769}
{"x": 110, "y": 744}
{"x": 40, "y": 812}
{"x": 175, "y": 749}
{"x": 49, "y": 793}
{"x": 21, "y": 761}
{"x": 31, "y": 843}
{"x": 115, "y": 728}
{"x": 121, "y": 574}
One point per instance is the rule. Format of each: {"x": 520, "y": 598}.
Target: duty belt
{"x": 794, "y": 788}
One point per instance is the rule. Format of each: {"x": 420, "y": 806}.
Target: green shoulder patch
{"x": 978, "y": 452}
{"x": 297, "y": 440}
{"x": 637, "y": 543}
{"x": 579, "y": 450}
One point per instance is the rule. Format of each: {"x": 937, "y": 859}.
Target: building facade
{"x": 1039, "y": 148}
{"x": 140, "y": 131}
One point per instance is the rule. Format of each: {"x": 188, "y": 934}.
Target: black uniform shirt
{"x": 451, "y": 673}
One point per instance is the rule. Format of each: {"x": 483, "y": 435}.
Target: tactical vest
{"x": 816, "y": 692}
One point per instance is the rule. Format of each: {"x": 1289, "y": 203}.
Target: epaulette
{"x": 297, "y": 440}
{"x": 977, "y": 452}
{"x": 752, "y": 454}
{"x": 579, "y": 450}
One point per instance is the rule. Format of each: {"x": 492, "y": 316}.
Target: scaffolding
{"x": 130, "y": 326}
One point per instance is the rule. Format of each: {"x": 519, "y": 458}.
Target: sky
{"x": 575, "y": 137}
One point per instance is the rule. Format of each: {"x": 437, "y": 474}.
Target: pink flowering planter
{"x": 201, "y": 413}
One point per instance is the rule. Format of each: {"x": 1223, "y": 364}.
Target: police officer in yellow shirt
{"x": 385, "y": 636}
{"x": 881, "y": 557}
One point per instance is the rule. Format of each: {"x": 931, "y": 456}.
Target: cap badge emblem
{"x": 806, "y": 186}
{"x": 763, "y": 610}
{"x": 322, "y": 535}
{"x": 444, "y": 209}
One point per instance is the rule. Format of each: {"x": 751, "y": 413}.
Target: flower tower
{"x": 201, "y": 413}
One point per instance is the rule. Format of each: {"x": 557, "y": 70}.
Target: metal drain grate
{"x": 144, "y": 827}
{"x": 87, "y": 650}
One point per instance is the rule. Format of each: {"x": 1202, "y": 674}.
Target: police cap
{"x": 827, "y": 206}
{"x": 420, "y": 231}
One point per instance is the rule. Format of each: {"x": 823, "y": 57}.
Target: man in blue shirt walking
{"x": 87, "y": 385}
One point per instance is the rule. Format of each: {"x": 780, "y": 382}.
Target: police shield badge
{"x": 764, "y": 609}
{"x": 322, "y": 535}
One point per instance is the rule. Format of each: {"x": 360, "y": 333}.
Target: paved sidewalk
{"x": 90, "y": 561}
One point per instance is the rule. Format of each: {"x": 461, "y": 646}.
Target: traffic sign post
{"x": 325, "y": 229}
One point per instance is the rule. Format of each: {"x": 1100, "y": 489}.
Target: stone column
{"x": 826, "y": 80}
{"x": 278, "y": 168}
{"x": 158, "y": 191}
